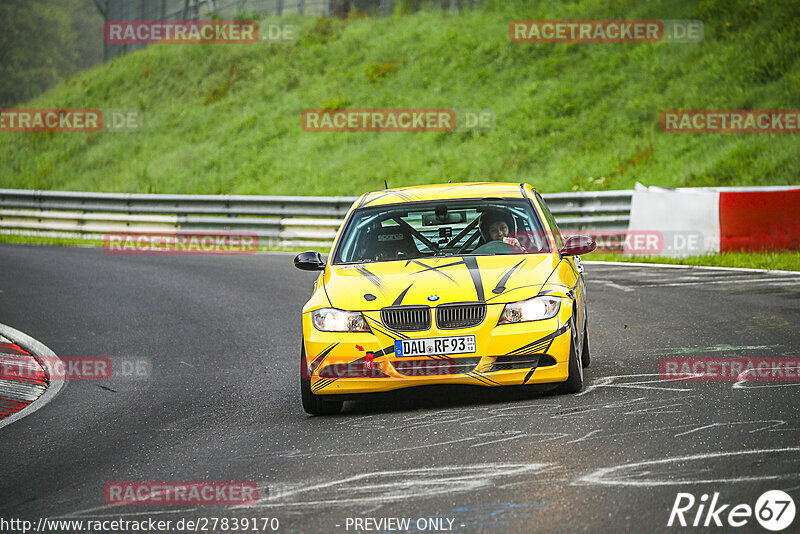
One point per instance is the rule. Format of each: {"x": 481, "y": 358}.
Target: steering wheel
{"x": 493, "y": 247}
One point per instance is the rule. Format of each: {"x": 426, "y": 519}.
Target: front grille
{"x": 408, "y": 318}
{"x": 450, "y": 316}
{"x": 428, "y": 367}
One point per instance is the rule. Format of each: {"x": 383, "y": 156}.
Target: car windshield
{"x": 425, "y": 229}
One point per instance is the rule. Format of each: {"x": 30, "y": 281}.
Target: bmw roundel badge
{"x": 433, "y": 298}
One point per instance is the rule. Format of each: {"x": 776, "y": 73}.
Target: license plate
{"x": 434, "y": 346}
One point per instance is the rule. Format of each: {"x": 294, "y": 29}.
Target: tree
{"x": 41, "y": 41}
{"x": 340, "y": 8}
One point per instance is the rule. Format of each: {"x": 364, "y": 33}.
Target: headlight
{"x": 535, "y": 309}
{"x": 333, "y": 320}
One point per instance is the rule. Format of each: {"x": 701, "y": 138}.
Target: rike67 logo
{"x": 774, "y": 510}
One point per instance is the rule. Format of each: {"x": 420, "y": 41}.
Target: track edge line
{"x": 681, "y": 266}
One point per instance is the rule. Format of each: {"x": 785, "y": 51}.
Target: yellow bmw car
{"x": 444, "y": 284}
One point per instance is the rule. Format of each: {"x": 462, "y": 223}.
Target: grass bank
{"x": 226, "y": 118}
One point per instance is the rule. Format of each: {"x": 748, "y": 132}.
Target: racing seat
{"x": 392, "y": 243}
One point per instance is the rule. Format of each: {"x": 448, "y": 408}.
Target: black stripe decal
{"x": 472, "y": 264}
{"x": 541, "y": 341}
{"x": 399, "y": 299}
{"x": 383, "y": 329}
{"x": 318, "y": 360}
{"x": 527, "y": 351}
{"x": 372, "y": 278}
{"x": 435, "y": 269}
{"x": 532, "y": 349}
{"x": 478, "y": 378}
{"x": 481, "y": 378}
{"x": 501, "y": 285}
{"x": 323, "y": 383}
{"x": 486, "y": 378}
{"x": 528, "y": 376}
{"x": 513, "y": 289}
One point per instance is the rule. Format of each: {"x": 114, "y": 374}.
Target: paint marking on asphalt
{"x": 609, "y": 382}
{"x": 584, "y": 438}
{"x": 777, "y": 422}
{"x": 689, "y": 427}
{"x": 392, "y": 486}
{"x": 477, "y": 440}
{"x": 621, "y": 475}
{"x": 88, "y": 512}
{"x": 609, "y": 283}
{"x": 743, "y": 378}
{"x": 714, "y": 348}
{"x": 786, "y": 281}
{"x": 674, "y": 266}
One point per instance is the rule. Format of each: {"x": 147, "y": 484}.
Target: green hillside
{"x": 226, "y": 118}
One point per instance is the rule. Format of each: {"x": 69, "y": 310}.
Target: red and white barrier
{"x": 704, "y": 220}
{"x": 759, "y": 220}
{"x": 22, "y": 378}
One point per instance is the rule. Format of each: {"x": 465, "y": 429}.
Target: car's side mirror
{"x": 310, "y": 260}
{"x": 576, "y": 245}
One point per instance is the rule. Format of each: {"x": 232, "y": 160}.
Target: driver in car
{"x": 496, "y": 227}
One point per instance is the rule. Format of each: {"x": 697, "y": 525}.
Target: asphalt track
{"x": 221, "y": 402}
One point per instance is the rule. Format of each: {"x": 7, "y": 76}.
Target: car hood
{"x": 433, "y": 281}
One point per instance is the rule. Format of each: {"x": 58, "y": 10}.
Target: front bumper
{"x": 515, "y": 354}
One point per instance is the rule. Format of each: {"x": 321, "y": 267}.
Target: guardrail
{"x": 276, "y": 220}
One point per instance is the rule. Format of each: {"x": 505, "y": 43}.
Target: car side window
{"x": 551, "y": 221}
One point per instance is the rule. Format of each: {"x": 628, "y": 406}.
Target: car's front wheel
{"x": 312, "y": 404}
{"x": 574, "y": 382}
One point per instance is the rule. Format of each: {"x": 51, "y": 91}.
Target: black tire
{"x": 574, "y": 382}
{"x": 312, "y": 404}
{"x": 586, "y": 355}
